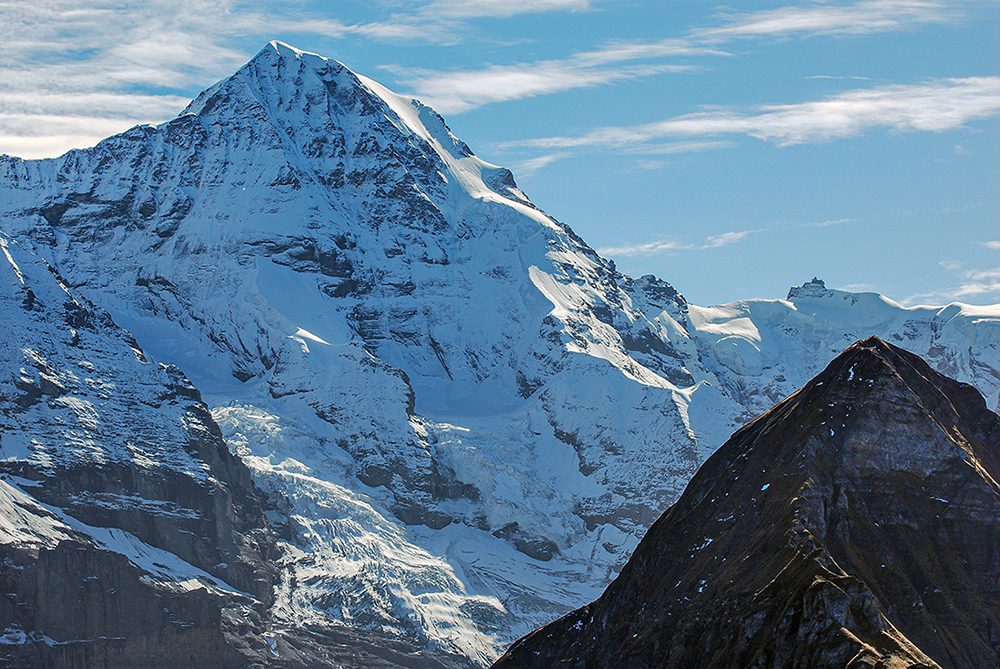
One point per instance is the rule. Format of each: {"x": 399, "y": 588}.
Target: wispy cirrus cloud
{"x": 978, "y": 284}
{"x": 106, "y": 56}
{"x": 825, "y": 19}
{"x": 678, "y": 147}
{"x": 453, "y": 92}
{"x": 857, "y": 287}
{"x": 828, "y": 224}
{"x": 935, "y": 106}
{"x": 532, "y": 165}
{"x": 501, "y": 8}
{"x": 69, "y": 69}
{"x": 457, "y": 92}
{"x": 668, "y": 246}
{"x": 644, "y": 248}
{"x": 662, "y": 246}
{"x": 727, "y": 238}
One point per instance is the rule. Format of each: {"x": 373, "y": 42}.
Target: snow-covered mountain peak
{"x": 308, "y": 98}
{"x": 470, "y": 416}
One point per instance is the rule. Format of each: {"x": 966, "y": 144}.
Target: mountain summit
{"x": 856, "y": 524}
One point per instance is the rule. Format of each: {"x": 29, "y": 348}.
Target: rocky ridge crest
{"x": 853, "y": 525}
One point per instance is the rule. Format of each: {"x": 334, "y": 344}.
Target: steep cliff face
{"x": 468, "y": 417}
{"x": 128, "y": 528}
{"x": 856, "y": 524}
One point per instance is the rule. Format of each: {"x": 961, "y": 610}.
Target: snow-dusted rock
{"x": 126, "y": 526}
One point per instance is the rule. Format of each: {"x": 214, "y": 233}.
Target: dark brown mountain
{"x": 856, "y": 524}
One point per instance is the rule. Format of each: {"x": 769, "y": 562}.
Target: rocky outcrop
{"x": 109, "y": 459}
{"x": 856, "y": 524}
{"x": 76, "y": 605}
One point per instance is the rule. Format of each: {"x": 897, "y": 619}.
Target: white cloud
{"x": 669, "y": 246}
{"x": 643, "y": 249}
{"x": 38, "y": 110}
{"x": 936, "y": 106}
{"x": 620, "y": 52}
{"x": 819, "y": 19}
{"x": 43, "y": 136}
{"x": 984, "y": 275}
{"x": 727, "y": 238}
{"x": 476, "y": 8}
{"x": 650, "y": 165}
{"x": 827, "y": 224}
{"x": 982, "y": 285}
{"x": 679, "y": 147}
{"x": 992, "y": 245}
{"x": 828, "y": 76}
{"x": 49, "y": 145}
{"x": 455, "y": 92}
{"x": 532, "y": 165}
{"x": 858, "y": 288}
{"x": 979, "y": 284}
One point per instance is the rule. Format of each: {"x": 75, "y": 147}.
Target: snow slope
{"x": 466, "y": 416}
{"x": 762, "y": 350}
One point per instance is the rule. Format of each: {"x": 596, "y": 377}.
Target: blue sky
{"x": 733, "y": 150}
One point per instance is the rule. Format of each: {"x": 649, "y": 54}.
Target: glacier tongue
{"x": 465, "y": 416}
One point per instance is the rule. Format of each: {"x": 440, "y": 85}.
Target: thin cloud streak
{"x": 42, "y": 136}
{"x": 456, "y": 92}
{"x": 43, "y": 108}
{"x": 727, "y": 238}
{"x": 532, "y": 165}
{"x": 528, "y": 167}
{"x": 501, "y": 8}
{"x": 937, "y": 106}
{"x": 863, "y": 17}
{"x": 679, "y": 147}
{"x": 669, "y": 246}
{"x": 989, "y": 289}
{"x": 827, "y": 76}
{"x": 644, "y": 249}
{"x": 972, "y": 283}
{"x": 459, "y": 91}
{"x": 858, "y": 288}
{"x": 711, "y": 242}
{"x": 827, "y": 224}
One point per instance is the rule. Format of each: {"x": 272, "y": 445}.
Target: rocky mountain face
{"x": 855, "y": 524}
{"x": 128, "y": 531}
{"x": 459, "y": 418}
